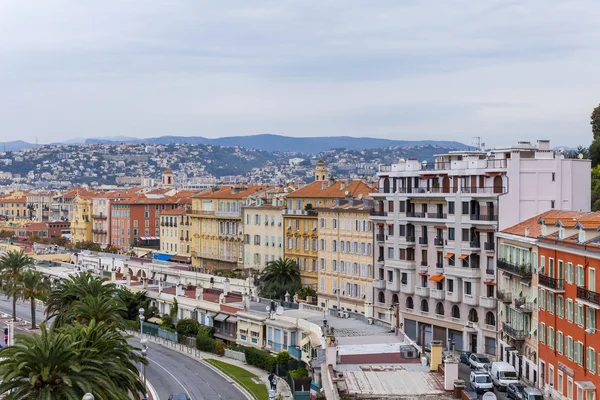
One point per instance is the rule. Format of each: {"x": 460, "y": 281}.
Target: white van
{"x": 502, "y": 373}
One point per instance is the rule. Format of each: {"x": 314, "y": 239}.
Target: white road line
{"x": 172, "y": 376}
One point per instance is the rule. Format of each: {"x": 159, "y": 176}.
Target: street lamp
{"x": 88, "y": 396}
{"x": 144, "y": 342}
{"x": 142, "y": 318}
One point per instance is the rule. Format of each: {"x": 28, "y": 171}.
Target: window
{"x": 550, "y": 340}
{"x": 559, "y": 342}
{"x": 551, "y": 203}
{"x": 590, "y": 315}
{"x": 390, "y": 252}
{"x": 550, "y": 303}
{"x": 591, "y": 360}
{"x": 468, "y": 288}
{"x": 390, "y": 276}
{"x": 450, "y": 233}
{"x": 578, "y": 353}
{"x": 569, "y": 273}
{"x": 569, "y": 348}
{"x": 450, "y": 207}
{"x": 579, "y": 277}
{"x": 465, "y": 235}
{"x": 465, "y": 208}
{"x": 450, "y": 283}
{"x": 579, "y": 315}
{"x": 542, "y": 299}
{"x": 542, "y": 332}
{"x": 569, "y": 310}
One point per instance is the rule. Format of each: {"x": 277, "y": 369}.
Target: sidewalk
{"x": 283, "y": 389}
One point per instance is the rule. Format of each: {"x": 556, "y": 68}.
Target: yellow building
{"x": 175, "y": 233}
{"x": 216, "y": 217}
{"x": 345, "y": 255}
{"x": 13, "y": 207}
{"x": 300, "y": 218}
{"x": 81, "y": 225}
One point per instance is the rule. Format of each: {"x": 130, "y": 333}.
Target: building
{"x": 300, "y": 218}
{"x": 14, "y": 208}
{"x": 517, "y": 291}
{"x": 175, "y": 235}
{"x": 81, "y": 224}
{"x": 263, "y": 227}
{"x": 345, "y": 266}
{"x": 216, "y": 216}
{"x": 568, "y": 300}
{"x": 440, "y": 288}
{"x": 168, "y": 179}
{"x": 38, "y": 203}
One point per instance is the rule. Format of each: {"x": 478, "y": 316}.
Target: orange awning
{"x": 463, "y": 256}
{"x": 436, "y": 278}
{"x": 449, "y": 255}
{"x": 490, "y": 283}
{"x": 379, "y": 224}
{"x": 390, "y": 224}
{"x": 440, "y": 227}
{"x": 423, "y": 274}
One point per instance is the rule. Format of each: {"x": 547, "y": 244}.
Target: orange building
{"x": 568, "y": 301}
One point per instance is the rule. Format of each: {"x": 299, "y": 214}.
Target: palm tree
{"x": 281, "y": 276}
{"x": 133, "y": 302}
{"x": 68, "y": 362}
{"x": 32, "y": 286}
{"x": 102, "y": 309}
{"x": 73, "y": 289}
{"x": 12, "y": 265}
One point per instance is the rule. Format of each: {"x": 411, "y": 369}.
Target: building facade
{"x": 435, "y": 234}
{"x": 263, "y": 234}
{"x": 175, "y": 237}
{"x": 81, "y": 224}
{"x": 346, "y": 256}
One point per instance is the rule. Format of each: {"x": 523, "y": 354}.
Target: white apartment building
{"x": 435, "y": 227}
{"x": 101, "y": 220}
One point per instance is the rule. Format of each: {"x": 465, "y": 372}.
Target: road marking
{"x": 172, "y": 376}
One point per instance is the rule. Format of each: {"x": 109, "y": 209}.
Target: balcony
{"x": 239, "y": 213}
{"x": 393, "y": 286}
{"x": 484, "y": 217}
{"x": 410, "y": 239}
{"x": 552, "y": 283}
{"x": 489, "y": 246}
{"x": 488, "y": 302}
{"x": 490, "y": 271}
{"x": 422, "y": 291}
{"x": 380, "y": 237}
{"x": 413, "y": 214}
{"x": 439, "y": 265}
{"x": 423, "y": 241}
{"x": 516, "y": 334}
{"x": 471, "y": 300}
{"x": 504, "y": 296}
{"x": 475, "y": 245}
{"x": 379, "y": 284}
{"x": 438, "y": 242}
{"x": 454, "y": 297}
{"x": 225, "y": 334}
{"x": 521, "y": 304}
{"x": 437, "y": 294}
{"x": 462, "y": 272}
{"x": 437, "y": 215}
{"x": 99, "y": 216}
{"x": 375, "y": 213}
{"x": 524, "y": 271}
{"x": 407, "y": 289}
{"x": 588, "y": 295}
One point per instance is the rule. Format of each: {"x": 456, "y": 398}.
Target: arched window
{"x": 439, "y": 309}
{"x": 386, "y": 185}
{"x": 473, "y": 315}
{"x": 424, "y": 305}
{"x": 381, "y": 297}
{"x": 409, "y": 303}
{"x": 455, "y": 311}
{"x": 490, "y": 318}
{"x": 395, "y": 299}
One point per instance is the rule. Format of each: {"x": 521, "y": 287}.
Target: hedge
{"x": 260, "y": 359}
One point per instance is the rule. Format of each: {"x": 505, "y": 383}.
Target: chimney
{"x": 226, "y": 287}
{"x": 342, "y": 185}
{"x": 160, "y": 286}
{"x": 179, "y": 290}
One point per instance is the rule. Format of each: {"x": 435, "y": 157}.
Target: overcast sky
{"x": 444, "y": 69}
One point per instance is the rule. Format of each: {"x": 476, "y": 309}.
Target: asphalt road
{"x": 464, "y": 371}
{"x": 168, "y": 371}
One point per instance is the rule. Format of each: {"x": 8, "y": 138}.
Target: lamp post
{"x": 88, "y": 396}
{"x": 144, "y": 342}
{"x": 142, "y": 318}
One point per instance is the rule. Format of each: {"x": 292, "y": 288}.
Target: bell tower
{"x": 168, "y": 178}
{"x": 321, "y": 171}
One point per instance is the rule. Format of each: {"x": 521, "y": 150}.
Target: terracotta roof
{"x": 228, "y": 192}
{"x": 590, "y": 221}
{"x": 142, "y": 199}
{"x": 36, "y": 225}
{"x": 13, "y": 200}
{"x": 338, "y": 189}
{"x": 177, "y": 211}
{"x": 549, "y": 217}
{"x": 167, "y": 171}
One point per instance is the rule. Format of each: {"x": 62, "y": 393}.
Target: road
{"x": 464, "y": 371}
{"x": 168, "y": 371}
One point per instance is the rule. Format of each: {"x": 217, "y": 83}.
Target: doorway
{"x": 473, "y": 343}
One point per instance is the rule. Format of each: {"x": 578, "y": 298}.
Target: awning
{"x": 440, "y": 227}
{"x": 390, "y": 223}
{"x": 449, "y": 255}
{"x": 423, "y": 274}
{"x": 232, "y": 320}
{"x": 428, "y": 176}
{"x": 181, "y": 259}
{"x": 586, "y": 385}
{"x": 379, "y": 224}
{"x": 220, "y": 317}
{"x": 304, "y": 341}
{"x": 463, "y": 256}
{"x": 161, "y": 256}
{"x": 493, "y": 174}
{"x": 436, "y": 278}
{"x": 489, "y": 283}
{"x": 315, "y": 340}
{"x": 155, "y": 320}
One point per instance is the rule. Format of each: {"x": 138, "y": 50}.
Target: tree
{"x": 187, "y": 327}
{"x": 65, "y": 363}
{"x": 133, "y": 302}
{"x": 595, "y": 122}
{"x": 33, "y": 286}
{"x": 73, "y": 289}
{"x": 109, "y": 310}
{"x": 595, "y": 152}
{"x": 12, "y": 265}
{"x": 279, "y": 277}
{"x": 111, "y": 249}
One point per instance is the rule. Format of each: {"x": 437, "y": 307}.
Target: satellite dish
{"x": 580, "y": 156}
{"x": 279, "y": 310}
{"x": 360, "y": 196}
{"x": 347, "y": 192}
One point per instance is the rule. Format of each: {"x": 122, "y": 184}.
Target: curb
{"x": 153, "y": 393}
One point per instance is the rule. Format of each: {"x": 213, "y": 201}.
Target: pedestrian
{"x": 274, "y": 384}
{"x": 271, "y": 379}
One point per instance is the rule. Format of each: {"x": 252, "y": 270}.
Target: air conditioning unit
{"x": 370, "y": 321}
{"x": 409, "y": 354}
{"x": 470, "y": 324}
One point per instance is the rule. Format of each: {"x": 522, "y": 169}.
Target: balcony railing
{"x": 439, "y": 265}
{"x": 410, "y": 238}
{"x": 423, "y": 240}
{"x": 380, "y": 237}
{"x": 413, "y": 214}
{"x": 489, "y": 246}
{"x": 309, "y": 213}
{"x": 475, "y": 245}
{"x": 490, "y": 271}
{"x": 524, "y": 271}
{"x": 523, "y": 305}
{"x": 552, "y": 283}
{"x": 377, "y": 213}
{"x": 438, "y": 241}
{"x": 99, "y": 231}
{"x": 516, "y": 334}
{"x": 99, "y": 216}
{"x": 437, "y": 215}
{"x": 484, "y": 217}
{"x": 424, "y": 263}
{"x": 588, "y": 295}
{"x": 504, "y": 296}
{"x": 225, "y": 332}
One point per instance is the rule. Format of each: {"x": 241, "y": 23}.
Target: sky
{"x": 399, "y": 69}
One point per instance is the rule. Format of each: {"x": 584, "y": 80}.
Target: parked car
{"x": 531, "y": 393}
{"x": 179, "y": 396}
{"x": 481, "y": 381}
{"x": 464, "y": 357}
{"x": 514, "y": 391}
{"x": 503, "y": 374}
{"x": 477, "y": 360}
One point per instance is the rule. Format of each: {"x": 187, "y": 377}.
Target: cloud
{"x": 503, "y": 70}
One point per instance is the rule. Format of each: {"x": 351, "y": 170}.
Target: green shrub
{"x": 298, "y": 373}
{"x": 219, "y": 348}
{"x": 187, "y": 327}
{"x": 133, "y": 325}
{"x": 283, "y": 358}
{"x": 260, "y": 359}
{"x": 205, "y": 343}
{"x": 204, "y": 330}
{"x": 166, "y": 321}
